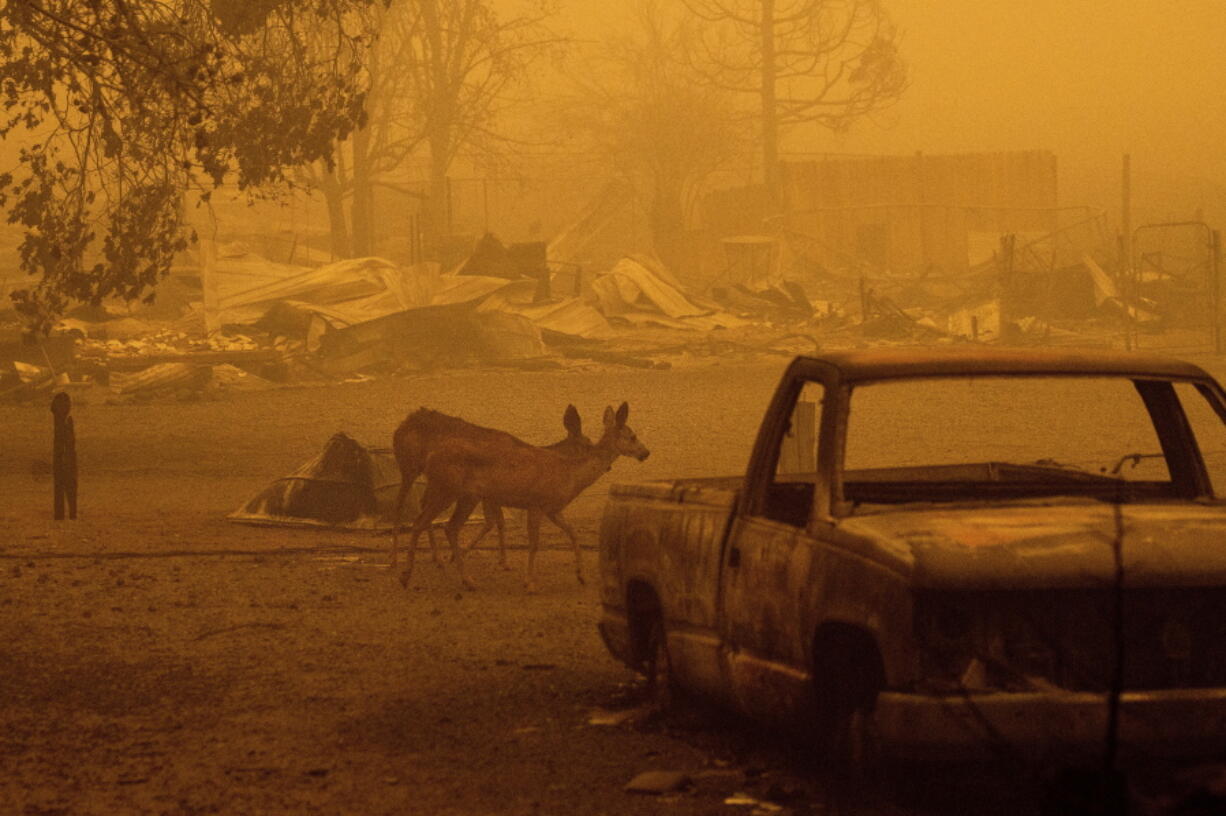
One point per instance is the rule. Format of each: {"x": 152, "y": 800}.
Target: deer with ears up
{"x": 512, "y": 473}
{"x": 424, "y": 429}
{"x": 574, "y": 444}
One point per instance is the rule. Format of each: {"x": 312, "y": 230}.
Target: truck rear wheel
{"x": 855, "y": 747}
{"x": 658, "y": 667}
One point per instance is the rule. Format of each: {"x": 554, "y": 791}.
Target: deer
{"x": 465, "y": 471}
{"x": 574, "y": 444}
{"x": 423, "y": 429}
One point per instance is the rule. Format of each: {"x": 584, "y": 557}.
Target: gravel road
{"x": 155, "y": 658}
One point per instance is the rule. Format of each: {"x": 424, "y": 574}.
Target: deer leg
{"x": 534, "y": 534}
{"x": 432, "y": 504}
{"x": 488, "y": 509}
{"x": 406, "y": 482}
{"x": 433, "y": 546}
{"x": 565, "y": 527}
{"x": 501, "y": 522}
{"x": 463, "y": 507}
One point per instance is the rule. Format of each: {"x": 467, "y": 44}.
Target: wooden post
{"x": 63, "y": 457}
{"x": 798, "y": 449}
{"x": 1007, "y": 286}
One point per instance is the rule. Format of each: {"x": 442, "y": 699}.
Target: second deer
{"x": 424, "y": 429}
{"x": 511, "y": 473}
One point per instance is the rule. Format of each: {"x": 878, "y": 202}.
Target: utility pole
{"x": 1125, "y": 266}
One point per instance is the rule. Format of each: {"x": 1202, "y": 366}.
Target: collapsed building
{"x": 957, "y": 248}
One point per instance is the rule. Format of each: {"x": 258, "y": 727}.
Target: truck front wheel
{"x": 847, "y": 676}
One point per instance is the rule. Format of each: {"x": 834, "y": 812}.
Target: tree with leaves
{"x": 823, "y": 62}
{"x": 661, "y": 131}
{"x": 121, "y": 108}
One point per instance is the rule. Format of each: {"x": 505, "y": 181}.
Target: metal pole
{"x": 1215, "y": 272}
{"x": 921, "y": 197}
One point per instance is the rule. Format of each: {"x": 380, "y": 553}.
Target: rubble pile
{"x": 521, "y": 306}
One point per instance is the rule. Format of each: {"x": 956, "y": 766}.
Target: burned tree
{"x": 659, "y": 129}
{"x": 117, "y": 108}
{"x": 822, "y": 62}
{"x": 361, "y": 163}
{"x": 462, "y": 62}
{"x": 440, "y": 76}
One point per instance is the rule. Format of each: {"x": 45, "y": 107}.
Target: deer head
{"x": 619, "y": 436}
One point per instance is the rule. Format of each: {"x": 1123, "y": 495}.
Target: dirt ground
{"x": 155, "y": 658}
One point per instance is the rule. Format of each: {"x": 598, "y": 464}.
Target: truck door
{"x": 770, "y": 574}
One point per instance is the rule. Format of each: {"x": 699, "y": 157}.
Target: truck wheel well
{"x": 847, "y": 667}
{"x": 642, "y": 610}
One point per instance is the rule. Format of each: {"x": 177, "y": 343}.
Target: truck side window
{"x": 789, "y": 496}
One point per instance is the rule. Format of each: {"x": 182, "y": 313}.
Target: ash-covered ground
{"x": 156, "y": 658}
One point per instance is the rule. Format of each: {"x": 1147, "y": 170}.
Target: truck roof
{"x": 910, "y": 362}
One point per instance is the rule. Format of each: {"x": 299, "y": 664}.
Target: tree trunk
{"x": 438, "y": 203}
{"x": 770, "y": 111}
{"x": 338, "y": 225}
{"x": 362, "y": 208}
{"x": 667, "y": 218}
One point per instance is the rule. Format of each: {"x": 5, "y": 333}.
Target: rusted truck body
{"x": 938, "y": 610}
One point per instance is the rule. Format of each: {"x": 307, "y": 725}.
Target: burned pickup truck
{"x": 937, "y": 553}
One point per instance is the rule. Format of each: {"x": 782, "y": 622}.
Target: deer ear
{"x": 571, "y": 421}
{"x": 623, "y": 411}
{"x": 609, "y": 419}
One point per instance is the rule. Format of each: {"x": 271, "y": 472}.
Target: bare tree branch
{"x": 823, "y": 62}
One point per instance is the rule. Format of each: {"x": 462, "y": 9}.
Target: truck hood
{"x": 1048, "y": 545}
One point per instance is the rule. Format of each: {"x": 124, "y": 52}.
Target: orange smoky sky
{"x": 1087, "y": 79}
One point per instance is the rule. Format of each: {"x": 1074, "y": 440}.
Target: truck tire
{"x": 856, "y": 746}
{"x": 661, "y": 688}
{"x": 847, "y": 677}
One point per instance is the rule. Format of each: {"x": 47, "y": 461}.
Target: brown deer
{"x": 512, "y": 473}
{"x": 424, "y": 429}
{"x": 574, "y": 444}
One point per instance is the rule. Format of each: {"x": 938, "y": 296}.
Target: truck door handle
{"x": 734, "y": 557}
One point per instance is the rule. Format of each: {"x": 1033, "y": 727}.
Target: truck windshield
{"x": 934, "y": 439}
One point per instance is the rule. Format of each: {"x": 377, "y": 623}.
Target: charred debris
{"x": 979, "y": 254}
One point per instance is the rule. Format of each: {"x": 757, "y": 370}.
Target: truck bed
{"x": 714, "y": 491}
{"x": 666, "y": 534}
